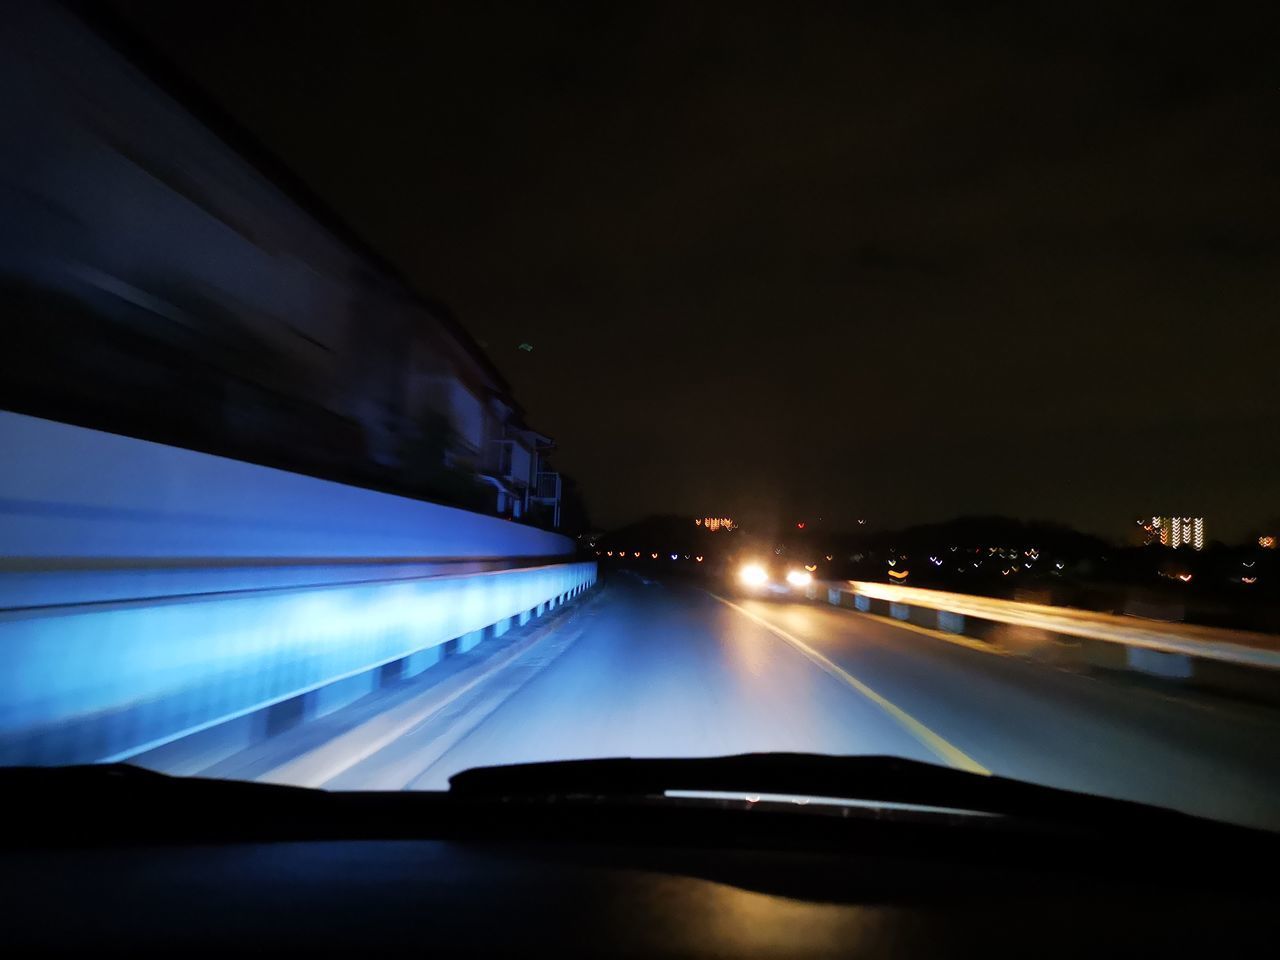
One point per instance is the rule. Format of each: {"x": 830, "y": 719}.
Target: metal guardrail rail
{"x": 94, "y": 681}
{"x": 1229, "y": 646}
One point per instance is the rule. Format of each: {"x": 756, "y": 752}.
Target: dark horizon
{"x": 821, "y": 531}
{"x": 896, "y": 264}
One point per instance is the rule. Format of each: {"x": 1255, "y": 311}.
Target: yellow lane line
{"x": 944, "y": 749}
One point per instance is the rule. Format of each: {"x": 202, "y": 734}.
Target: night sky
{"x": 888, "y": 261}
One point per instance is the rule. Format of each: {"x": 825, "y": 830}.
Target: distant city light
{"x": 654, "y": 556}
{"x": 899, "y": 574}
{"x": 715, "y": 524}
{"x": 811, "y": 567}
{"x": 1184, "y": 577}
{"x": 1267, "y": 542}
{"x": 675, "y": 556}
{"x": 698, "y": 558}
{"x": 800, "y": 525}
{"x": 1248, "y": 579}
{"x": 1177, "y": 532}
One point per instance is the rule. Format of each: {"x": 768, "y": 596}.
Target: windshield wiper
{"x": 890, "y": 780}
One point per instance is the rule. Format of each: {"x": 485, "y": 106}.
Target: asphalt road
{"x": 663, "y": 669}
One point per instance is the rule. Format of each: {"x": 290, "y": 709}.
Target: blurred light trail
{"x": 1232, "y": 646}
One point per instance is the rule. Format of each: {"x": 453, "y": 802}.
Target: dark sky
{"x": 884, "y": 260}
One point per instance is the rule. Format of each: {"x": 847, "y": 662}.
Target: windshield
{"x": 400, "y": 389}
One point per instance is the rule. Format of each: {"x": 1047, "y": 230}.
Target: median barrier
{"x": 1232, "y": 662}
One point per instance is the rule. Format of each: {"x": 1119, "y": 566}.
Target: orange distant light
{"x": 899, "y": 574}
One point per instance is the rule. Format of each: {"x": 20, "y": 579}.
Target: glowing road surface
{"x": 656, "y": 669}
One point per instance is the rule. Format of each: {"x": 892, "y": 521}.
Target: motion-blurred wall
{"x": 160, "y": 276}
{"x": 149, "y": 592}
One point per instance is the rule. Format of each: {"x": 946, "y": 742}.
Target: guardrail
{"x": 148, "y": 593}
{"x": 1232, "y": 660}
{"x": 106, "y": 681}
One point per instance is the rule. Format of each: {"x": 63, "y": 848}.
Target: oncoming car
{"x": 776, "y": 577}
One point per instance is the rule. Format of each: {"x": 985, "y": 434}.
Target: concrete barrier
{"x": 71, "y": 493}
{"x": 1233, "y": 662}
{"x": 148, "y": 593}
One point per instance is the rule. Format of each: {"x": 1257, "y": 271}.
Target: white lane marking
{"x": 317, "y": 767}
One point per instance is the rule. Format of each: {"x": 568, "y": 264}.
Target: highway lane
{"x": 658, "y": 671}
{"x": 666, "y": 669}
{"x": 1110, "y": 734}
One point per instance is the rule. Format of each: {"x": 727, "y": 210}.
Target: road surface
{"x": 664, "y": 669}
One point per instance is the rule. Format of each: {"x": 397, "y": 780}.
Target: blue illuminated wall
{"x": 149, "y": 592}
{"x": 70, "y": 492}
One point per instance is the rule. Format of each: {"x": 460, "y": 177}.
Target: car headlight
{"x": 753, "y": 575}
{"x": 799, "y": 578}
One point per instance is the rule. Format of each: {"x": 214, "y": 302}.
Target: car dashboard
{"x": 588, "y": 876}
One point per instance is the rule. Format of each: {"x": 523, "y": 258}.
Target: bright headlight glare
{"x": 753, "y": 575}
{"x": 799, "y": 578}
